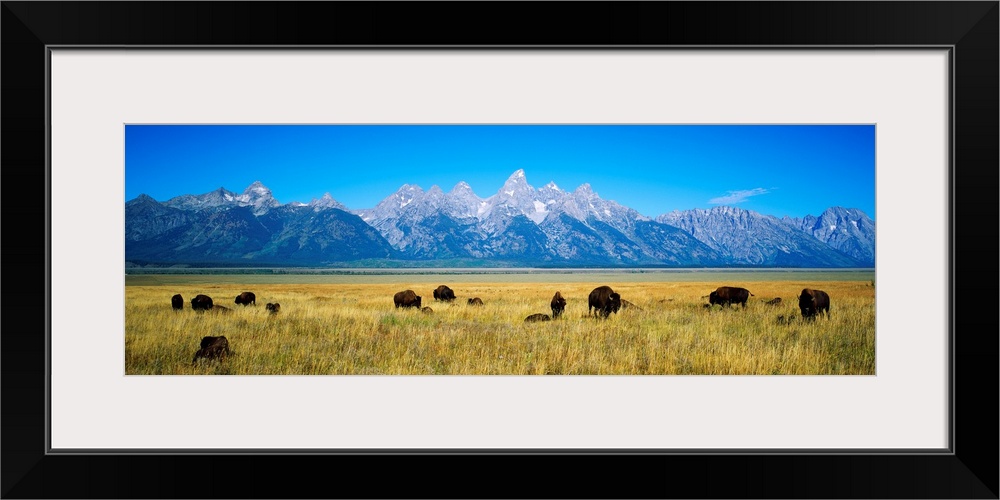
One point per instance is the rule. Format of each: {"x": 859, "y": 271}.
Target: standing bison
{"x": 444, "y": 293}
{"x": 212, "y": 348}
{"x": 558, "y": 305}
{"x": 604, "y": 301}
{"x": 726, "y": 295}
{"x": 406, "y": 298}
{"x": 177, "y": 301}
{"x": 814, "y": 302}
{"x": 201, "y": 302}
{"x": 246, "y": 298}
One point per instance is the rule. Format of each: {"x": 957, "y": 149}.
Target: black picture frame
{"x": 969, "y": 28}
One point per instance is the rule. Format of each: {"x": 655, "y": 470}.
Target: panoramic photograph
{"x": 499, "y": 250}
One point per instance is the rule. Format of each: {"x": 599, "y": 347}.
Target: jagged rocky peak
{"x": 223, "y": 192}
{"x": 259, "y": 197}
{"x": 406, "y": 194}
{"x": 257, "y": 187}
{"x": 218, "y": 198}
{"x": 255, "y": 191}
{"x": 144, "y": 198}
{"x": 434, "y": 197}
{"x": 515, "y": 184}
{"x": 461, "y": 188}
{"x": 327, "y": 201}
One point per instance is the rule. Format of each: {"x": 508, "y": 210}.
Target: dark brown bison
{"x": 177, "y": 301}
{"x": 246, "y": 298}
{"x": 813, "y": 303}
{"x": 201, "y": 303}
{"x": 444, "y": 293}
{"x": 537, "y": 317}
{"x": 558, "y": 305}
{"x": 427, "y": 310}
{"x": 407, "y": 298}
{"x": 212, "y": 348}
{"x": 604, "y": 301}
{"x": 274, "y": 308}
{"x": 773, "y": 302}
{"x": 475, "y": 301}
{"x": 726, "y": 295}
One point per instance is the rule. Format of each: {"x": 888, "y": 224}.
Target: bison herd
{"x": 602, "y": 302}
{"x": 216, "y": 348}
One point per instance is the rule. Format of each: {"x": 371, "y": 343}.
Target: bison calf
{"x": 475, "y": 301}
{"x": 773, "y": 302}
{"x": 537, "y": 317}
{"x": 212, "y": 348}
{"x": 558, "y": 305}
{"x": 177, "y": 301}
{"x": 246, "y": 298}
{"x": 274, "y": 308}
{"x": 426, "y": 310}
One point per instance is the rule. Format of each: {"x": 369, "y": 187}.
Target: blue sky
{"x": 793, "y": 170}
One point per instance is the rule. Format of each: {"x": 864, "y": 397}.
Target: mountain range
{"x": 518, "y": 225}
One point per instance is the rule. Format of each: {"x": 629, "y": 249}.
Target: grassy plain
{"x": 348, "y": 325}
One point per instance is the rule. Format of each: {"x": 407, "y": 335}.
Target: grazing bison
{"x": 726, "y": 295}
{"x": 427, "y": 310}
{"x": 604, "y": 301}
{"x": 406, "y": 298}
{"x": 773, "y": 302}
{"x": 212, "y": 348}
{"x": 246, "y": 298}
{"x": 558, "y": 305}
{"x": 475, "y": 301}
{"x": 274, "y": 308}
{"x": 537, "y": 317}
{"x": 201, "y": 302}
{"x": 814, "y": 302}
{"x": 177, "y": 301}
{"x": 444, "y": 293}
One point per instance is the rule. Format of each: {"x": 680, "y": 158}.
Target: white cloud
{"x": 737, "y": 196}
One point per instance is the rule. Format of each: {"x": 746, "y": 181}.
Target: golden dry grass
{"x": 355, "y": 329}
